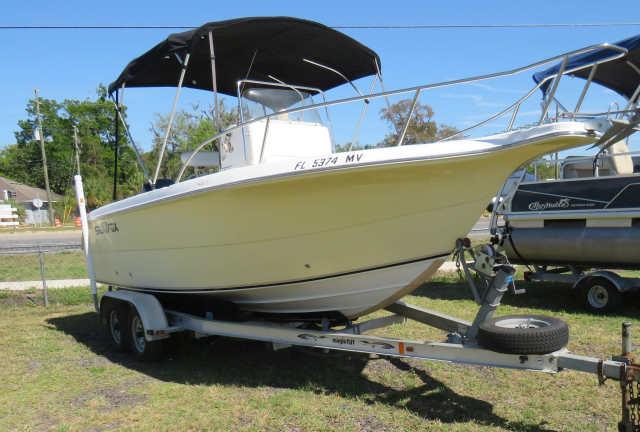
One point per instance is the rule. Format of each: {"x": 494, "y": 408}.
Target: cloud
{"x": 478, "y": 100}
{"x": 489, "y": 87}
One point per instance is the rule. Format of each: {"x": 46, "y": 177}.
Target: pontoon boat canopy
{"x": 252, "y": 48}
{"x": 617, "y": 75}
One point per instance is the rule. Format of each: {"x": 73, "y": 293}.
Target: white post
{"x": 85, "y": 238}
{"x": 176, "y": 98}
{"x": 45, "y": 291}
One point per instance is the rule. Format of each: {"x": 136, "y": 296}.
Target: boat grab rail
{"x": 549, "y": 97}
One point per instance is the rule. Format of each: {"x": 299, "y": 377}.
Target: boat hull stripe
{"x": 299, "y": 281}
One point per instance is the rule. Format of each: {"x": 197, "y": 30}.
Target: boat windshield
{"x": 261, "y": 101}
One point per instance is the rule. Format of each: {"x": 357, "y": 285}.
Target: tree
{"x": 422, "y": 128}
{"x": 545, "y": 169}
{"x": 190, "y": 128}
{"x": 96, "y": 132}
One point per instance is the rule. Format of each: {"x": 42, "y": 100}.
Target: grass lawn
{"x": 58, "y": 265}
{"x": 59, "y": 373}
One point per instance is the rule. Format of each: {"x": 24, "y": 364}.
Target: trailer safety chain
{"x": 464, "y": 272}
{"x": 630, "y": 387}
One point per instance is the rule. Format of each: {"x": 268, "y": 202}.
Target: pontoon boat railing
{"x": 579, "y": 159}
{"x": 619, "y": 52}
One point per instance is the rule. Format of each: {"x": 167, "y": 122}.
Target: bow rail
{"x": 617, "y": 52}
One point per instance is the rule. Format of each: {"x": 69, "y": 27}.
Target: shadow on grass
{"x": 251, "y": 364}
{"x": 549, "y": 297}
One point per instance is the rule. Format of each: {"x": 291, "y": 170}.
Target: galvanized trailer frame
{"x": 460, "y": 346}
{"x": 160, "y": 323}
{"x": 352, "y": 338}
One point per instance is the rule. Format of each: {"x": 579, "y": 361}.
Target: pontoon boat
{"x": 590, "y": 214}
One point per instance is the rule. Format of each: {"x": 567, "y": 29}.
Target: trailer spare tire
{"x": 523, "y": 334}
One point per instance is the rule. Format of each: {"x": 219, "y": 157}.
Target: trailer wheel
{"x": 115, "y": 318}
{"x": 142, "y": 348}
{"x": 600, "y": 295}
{"x": 523, "y": 334}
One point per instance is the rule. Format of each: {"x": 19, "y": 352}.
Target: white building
{"x": 28, "y": 197}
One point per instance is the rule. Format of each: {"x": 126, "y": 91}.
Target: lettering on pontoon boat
{"x": 561, "y": 203}
{"x": 106, "y": 228}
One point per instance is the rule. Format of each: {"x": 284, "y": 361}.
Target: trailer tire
{"x": 142, "y": 348}
{"x": 115, "y": 318}
{"x": 600, "y": 295}
{"x": 523, "y": 334}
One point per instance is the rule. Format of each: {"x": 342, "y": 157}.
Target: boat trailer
{"x": 461, "y": 344}
{"x": 138, "y": 322}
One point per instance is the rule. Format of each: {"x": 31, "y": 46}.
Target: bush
{"x": 21, "y": 212}
{"x": 66, "y": 207}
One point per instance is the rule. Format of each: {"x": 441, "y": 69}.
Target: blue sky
{"x": 71, "y": 63}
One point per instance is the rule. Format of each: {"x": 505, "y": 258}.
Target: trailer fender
{"x": 149, "y": 308}
{"x": 622, "y": 284}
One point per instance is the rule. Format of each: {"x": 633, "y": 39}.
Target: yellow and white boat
{"x": 288, "y": 226}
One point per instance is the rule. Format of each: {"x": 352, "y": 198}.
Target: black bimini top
{"x": 252, "y": 48}
{"x": 617, "y": 75}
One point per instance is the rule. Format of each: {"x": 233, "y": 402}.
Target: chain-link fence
{"x": 42, "y": 266}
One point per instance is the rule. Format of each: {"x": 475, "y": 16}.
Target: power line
{"x": 93, "y": 27}
{"x": 342, "y": 27}
{"x": 488, "y": 26}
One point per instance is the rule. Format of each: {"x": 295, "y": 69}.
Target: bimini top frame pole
{"x": 116, "y": 154}
{"x": 183, "y": 71}
{"x": 335, "y": 71}
{"x": 214, "y": 84}
{"x": 554, "y": 88}
{"x": 636, "y": 94}
{"x": 585, "y": 89}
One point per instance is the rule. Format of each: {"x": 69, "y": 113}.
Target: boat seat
{"x": 160, "y": 183}
{"x": 622, "y": 163}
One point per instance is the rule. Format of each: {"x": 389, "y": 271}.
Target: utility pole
{"x": 77, "y": 147}
{"x": 44, "y": 158}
